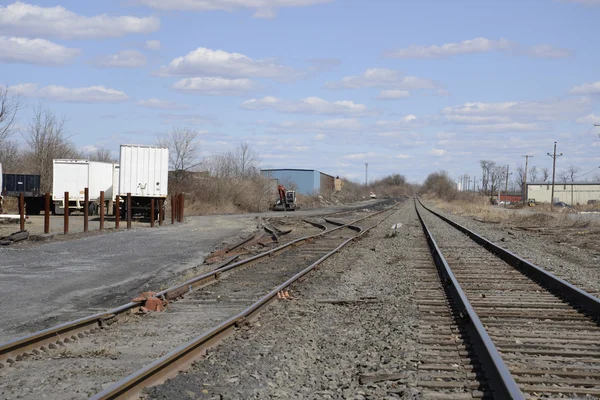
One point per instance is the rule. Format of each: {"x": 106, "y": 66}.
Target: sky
{"x": 407, "y": 86}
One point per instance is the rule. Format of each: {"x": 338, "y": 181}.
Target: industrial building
{"x": 306, "y": 181}
{"x": 570, "y": 193}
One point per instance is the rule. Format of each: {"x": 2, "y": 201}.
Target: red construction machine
{"x": 286, "y": 200}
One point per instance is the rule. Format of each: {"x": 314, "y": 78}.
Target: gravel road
{"x": 355, "y": 316}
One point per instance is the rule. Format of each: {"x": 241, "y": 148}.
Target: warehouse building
{"x": 306, "y": 181}
{"x": 570, "y": 193}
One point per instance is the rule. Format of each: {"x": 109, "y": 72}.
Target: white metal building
{"x": 570, "y": 193}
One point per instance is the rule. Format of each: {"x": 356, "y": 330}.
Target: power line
{"x": 579, "y": 176}
{"x": 554, "y": 157}
{"x": 524, "y": 194}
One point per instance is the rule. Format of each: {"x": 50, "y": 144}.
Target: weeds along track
{"x": 82, "y": 364}
{"x": 545, "y": 331}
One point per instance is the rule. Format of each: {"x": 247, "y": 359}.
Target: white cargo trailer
{"x": 144, "y": 173}
{"x": 73, "y": 176}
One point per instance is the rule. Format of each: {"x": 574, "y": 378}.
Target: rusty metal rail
{"x": 180, "y": 358}
{"x": 498, "y": 376}
{"x": 89, "y": 324}
{"x": 518, "y": 311}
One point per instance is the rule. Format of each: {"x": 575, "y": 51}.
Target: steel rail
{"x": 71, "y": 329}
{"x": 555, "y": 285}
{"x": 499, "y": 378}
{"x": 180, "y": 358}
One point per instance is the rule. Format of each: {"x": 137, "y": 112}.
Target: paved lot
{"x": 44, "y": 284}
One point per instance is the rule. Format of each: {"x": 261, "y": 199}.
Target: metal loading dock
{"x": 306, "y": 181}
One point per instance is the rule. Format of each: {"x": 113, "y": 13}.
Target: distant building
{"x": 306, "y": 181}
{"x": 570, "y": 193}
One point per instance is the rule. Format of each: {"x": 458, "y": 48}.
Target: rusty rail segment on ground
{"x": 498, "y": 376}
{"x": 558, "y": 332}
{"x": 90, "y": 323}
{"x": 172, "y": 363}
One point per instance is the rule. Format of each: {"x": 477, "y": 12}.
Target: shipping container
{"x": 74, "y": 176}
{"x": 144, "y": 171}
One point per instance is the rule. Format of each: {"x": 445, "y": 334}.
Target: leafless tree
{"x": 572, "y": 171}
{"x": 10, "y": 104}
{"x": 47, "y": 140}
{"x": 246, "y": 160}
{"x": 545, "y": 174}
{"x": 9, "y": 157}
{"x": 440, "y": 184}
{"x": 183, "y": 150}
{"x": 563, "y": 176}
{"x": 533, "y": 173}
{"x": 520, "y": 176}
{"x": 492, "y": 175}
{"x": 102, "y": 155}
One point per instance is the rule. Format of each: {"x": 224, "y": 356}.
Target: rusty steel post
{"x": 117, "y": 211}
{"x": 161, "y": 211}
{"x": 152, "y": 212}
{"x": 129, "y": 211}
{"x": 172, "y": 210}
{"x": 47, "y": 214}
{"x": 102, "y": 210}
{"x": 86, "y": 208}
{"x": 182, "y": 207}
{"x": 22, "y": 211}
{"x": 66, "y": 215}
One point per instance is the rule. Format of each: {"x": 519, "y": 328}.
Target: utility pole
{"x": 506, "y": 187}
{"x": 554, "y": 157}
{"x": 366, "y": 174}
{"x": 524, "y": 190}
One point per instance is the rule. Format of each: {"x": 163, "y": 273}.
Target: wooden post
{"x": 47, "y": 214}
{"x": 66, "y": 210}
{"x": 152, "y": 212}
{"x": 86, "y": 209}
{"x": 117, "y": 211}
{"x": 182, "y": 201}
{"x": 22, "y": 211}
{"x": 102, "y": 210}
{"x": 129, "y": 211}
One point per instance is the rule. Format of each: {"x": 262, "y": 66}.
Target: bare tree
{"x": 246, "y": 160}
{"x": 102, "y": 155}
{"x": 492, "y": 175}
{"x": 47, "y": 140}
{"x": 572, "y": 170}
{"x": 9, "y": 157}
{"x": 183, "y": 150}
{"x": 10, "y": 104}
{"x": 533, "y": 173}
{"x": 545, "y": 174}
{"x": 563, "y": 176}
{"x": 520, "y": 178}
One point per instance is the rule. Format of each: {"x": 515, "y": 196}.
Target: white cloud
{"x": 437, "y": 152}
{"x": 92, "y": 94}
{"x": 586, "y": 88}
{"x": 383, "y": 78}
{"x": 161, "y": 104}
{"x": 587, "y": 2}
{"x": 589, "y": 119}
{"x": 152, "y": 45}
{"x": 24, "y": 19}
{"x": 207, "y": 62}
{"x": 402, "y": 156}
{"x": 477, "y": 45}
{"x": 34, "y": 51}
{"x": 320, "y": 136}
{"x": 546, "y": 50}
{"x": 122, "y": 59}
{"x": 393, "y": 94}
{"x": 361, "y": 156}
{"x": 391, "y": 127}
{"x": 341, "y": 125}
{"x": 308, "y": 105}
{"x": 215, "y": 86}
{"x": 262, "y": 8}
{"x": 189, "y": 119}
{"x": 508, "y": 127}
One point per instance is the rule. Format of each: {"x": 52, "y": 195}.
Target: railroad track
{"x": 534, "y": 335}
{"x": 78, "y": 359}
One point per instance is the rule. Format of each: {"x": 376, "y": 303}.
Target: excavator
{"x": 286, "y": 200}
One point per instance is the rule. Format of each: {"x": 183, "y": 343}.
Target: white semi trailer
{"x": 73, "y": 176}
{"x": 143, "y": 173}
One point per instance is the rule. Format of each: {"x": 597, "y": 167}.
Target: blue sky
{"x": 410, "y": 87}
